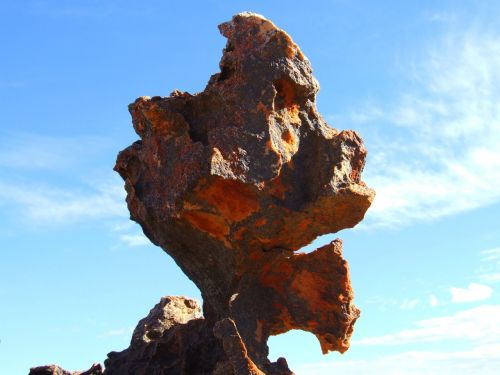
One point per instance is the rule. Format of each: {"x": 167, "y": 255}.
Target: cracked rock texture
{"x": 231, "y": 182}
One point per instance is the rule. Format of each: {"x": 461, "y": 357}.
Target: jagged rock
{"x": 233, "y": 180}
{"x": 161, "y": 342}
{"x": 96, "y": 369}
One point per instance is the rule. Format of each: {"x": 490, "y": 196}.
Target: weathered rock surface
{"x": 231, "y": 182}
{"x": 96, "y": 369}
{"x": 162, "y": 342}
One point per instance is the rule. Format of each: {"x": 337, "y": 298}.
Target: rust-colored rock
{"x": 231, "y": 182}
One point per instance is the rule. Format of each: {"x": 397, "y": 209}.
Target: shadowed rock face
{"x": 233, "y": 180}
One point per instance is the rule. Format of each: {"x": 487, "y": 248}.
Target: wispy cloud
{"x": 390, "y": 303}
{"x": 473, "y": 293}
{"x": 480, "y": 359}
{"x": 46, "y": 205}
{"x": 479, "y": 323}
{"x": 383, "y": 303}
{"x": 409, "y": 304}
{"x": 45, "y": 181}
{"x": 50, "y": 180}
{"x": 134, "y": 240}
{"x": 433, "y": 300}
{"x": 490, "y": 255}
{"x": 489, "y": 270}
{"x": 130, "y": 234}
{"x": 442, "y": 154}
{"x": 492, "y": 277}
{"x": 36, "y": 151}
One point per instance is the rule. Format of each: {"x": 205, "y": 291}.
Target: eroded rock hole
{"x": 285, "y": 346}
{"x": 285, "y": 94}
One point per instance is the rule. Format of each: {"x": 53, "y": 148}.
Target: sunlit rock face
{"x": 162, "y": 341}
{"x": 233, "y": 180}
{"x": 96, "y": 369}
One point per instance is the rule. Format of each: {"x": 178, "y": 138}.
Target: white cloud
{"x": 479, "y": 323}
{"x": 489, "y": 270}
{"x": 383, "y": 303}
{"x": 368, "y": 113}
{"x": 490, "y": 255}
{"x": 58, "y": 195}
{"x": 62, "y": 199}
{"x": 490, "y": 277}
{"x": 474, "y": 292}
{"x": 441, "y": 155}
{"x": 49, "y": 205}
{"x": 46, "y": 205}
{"x": 433, "y": 300}
{"x": 35, "y": 151}
{"x": 123, "y": 226}
{"x": 134, "y": 240}
{"x": 128, "y": 233}
{"x": 481, "y": 359}
{"x": 409, "y": 304}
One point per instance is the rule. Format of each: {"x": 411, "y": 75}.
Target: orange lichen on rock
{"x": 231, "y": 182}
{"x": 234, "y": 200}
{"x": 207, "y": 222}
{"x": 286, "y": 101}
{"x": 319, "y": 280}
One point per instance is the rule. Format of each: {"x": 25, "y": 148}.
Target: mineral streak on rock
{"x": 231, "y": 182}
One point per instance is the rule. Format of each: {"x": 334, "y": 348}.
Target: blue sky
{"x": 420, "y": 81}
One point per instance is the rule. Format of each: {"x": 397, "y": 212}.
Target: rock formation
{"x": 162, "y": 342}
{"x": 96, "y": 369}
{"x": 231, "y": 182}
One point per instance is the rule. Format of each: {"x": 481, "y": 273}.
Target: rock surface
{"x": 231, "y": 182}
{"x": 96, "y": 369}
{"x": 162, "y": 342}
